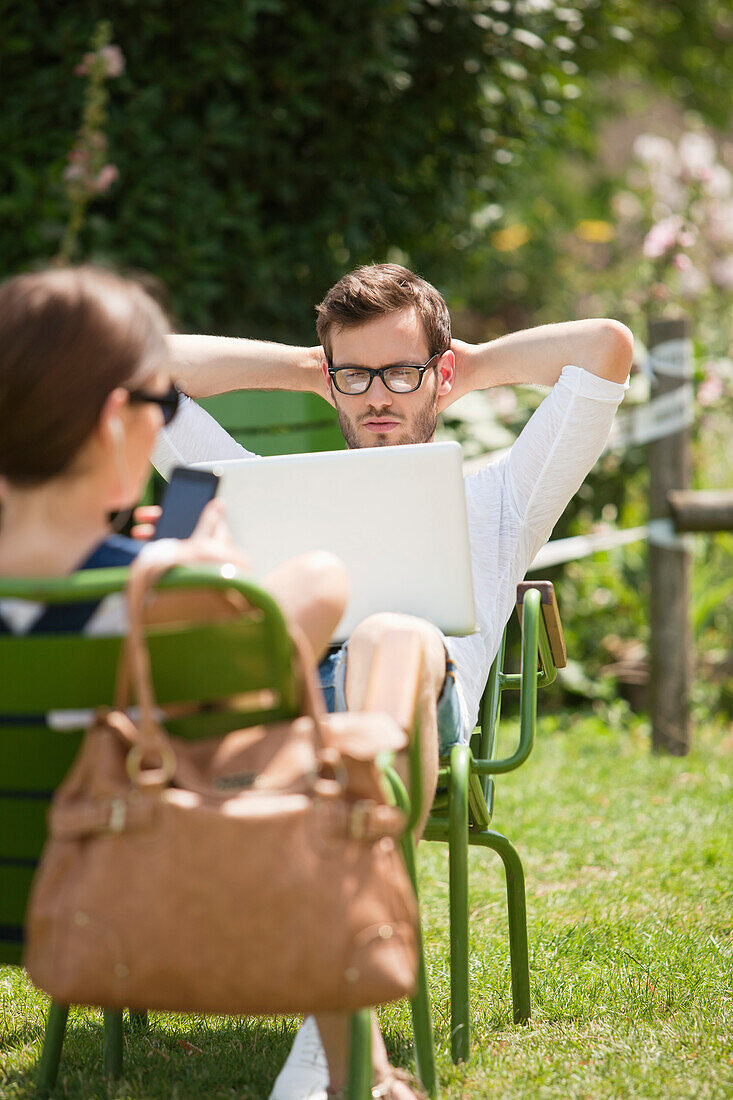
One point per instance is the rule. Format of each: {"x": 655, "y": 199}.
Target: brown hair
{"x": 379, "y": 289}
{"x": 68, "y": 337}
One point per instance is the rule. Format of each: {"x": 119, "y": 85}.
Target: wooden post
{"x": 669, "y": 561}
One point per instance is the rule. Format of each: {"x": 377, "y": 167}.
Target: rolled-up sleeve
{"x": 193, "y": 436}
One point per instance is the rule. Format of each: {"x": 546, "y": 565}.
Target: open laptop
{"x": 395, "y": 516}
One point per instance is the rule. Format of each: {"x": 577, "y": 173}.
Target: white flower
{"x": 692, "y": 282}
{"x": 114, "y": 60}
{"x": 651, "y": 149}
{"x": 720, "y": 183}
{"x": 504, "y": 400}
{"x": 697, "y": 154}
{"x": 626, "y": 206}
{"x": 721, "y": 272}
{"x": 668, "y": 190}
{"x": 720, "y": 222}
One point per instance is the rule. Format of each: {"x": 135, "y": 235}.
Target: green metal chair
{"x": 245, "y": 662}
{"x": 464, "y": 804}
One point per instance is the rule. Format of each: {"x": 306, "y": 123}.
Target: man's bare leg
{"x": 361, "y": 649}
{"x": 334, "y": 1027}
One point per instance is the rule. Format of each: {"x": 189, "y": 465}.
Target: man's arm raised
{"x": 206, "y": 365}
{"x": 536, "y": 356}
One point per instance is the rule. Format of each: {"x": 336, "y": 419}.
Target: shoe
{"x": 305, "y": 1073}
{"x": 385, "y": 1089}
{"x": 386, "y": 1086}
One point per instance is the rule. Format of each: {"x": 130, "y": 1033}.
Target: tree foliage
{"x": 264, "y": 146}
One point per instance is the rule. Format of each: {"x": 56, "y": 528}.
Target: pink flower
{"x": 661, "y": 237}
{"x": 107, "y": 176}
{"x": 682, "y": 262}
{"x": 710, "y": 390}
{"x": 114, "y": 60}
{"x": 82, "y": 69}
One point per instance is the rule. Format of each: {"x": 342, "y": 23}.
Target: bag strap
{"x": 312, "y": 703}
{"x": 134, "y": 670}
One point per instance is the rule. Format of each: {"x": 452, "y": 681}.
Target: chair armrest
{"x": 550, "y": 617}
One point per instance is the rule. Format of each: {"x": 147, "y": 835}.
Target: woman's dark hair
{"x": 68, "y": 337}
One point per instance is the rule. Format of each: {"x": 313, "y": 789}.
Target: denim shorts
{"x": 332, "y": 672}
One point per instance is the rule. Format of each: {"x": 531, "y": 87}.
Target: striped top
{"x": 95, "y": 618}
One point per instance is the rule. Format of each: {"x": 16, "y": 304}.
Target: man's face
{"x": 379, "y": 417}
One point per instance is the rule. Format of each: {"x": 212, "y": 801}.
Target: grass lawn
{"x": 628, "y": 868}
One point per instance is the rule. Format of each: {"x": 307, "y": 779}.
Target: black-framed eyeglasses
{"x": 169, "y": 402}
{"x": 400, "y": 378}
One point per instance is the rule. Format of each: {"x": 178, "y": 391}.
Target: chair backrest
{"x": 50, "y": 686}
{"x": 275, "y": 423}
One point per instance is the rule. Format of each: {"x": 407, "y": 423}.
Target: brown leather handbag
{"x": 255, "y": 873}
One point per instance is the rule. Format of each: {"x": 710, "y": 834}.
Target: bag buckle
{"x": 151, "y": 777}
{"x": 117, "y": 816}
{"x": 360, "y": 818}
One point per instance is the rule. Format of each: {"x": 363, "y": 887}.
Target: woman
{"x": 84, "y": 388}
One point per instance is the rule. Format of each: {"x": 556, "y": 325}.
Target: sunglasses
{"x": 401, "y": 378}
{"x": 168, "y": 402}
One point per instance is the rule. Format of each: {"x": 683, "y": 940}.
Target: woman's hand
{"x": 211, "y": 538}
{"x": 146, "y": 518}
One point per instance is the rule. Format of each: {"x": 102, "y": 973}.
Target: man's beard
{"x": 421, "y": 430}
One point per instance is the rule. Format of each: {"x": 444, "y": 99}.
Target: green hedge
{"x": 264, "y": 146}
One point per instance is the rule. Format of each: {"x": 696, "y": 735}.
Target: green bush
{"x": 263, "y": 146}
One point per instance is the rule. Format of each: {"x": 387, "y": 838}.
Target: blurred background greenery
{"x": 536, "y": 160}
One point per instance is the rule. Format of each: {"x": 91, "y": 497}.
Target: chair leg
{"x": 112, "y": 1050}
{"x": 360, "y": 1057}
{"x": 48, "y": 1066}
{"x": 422, "y": 1024}
{"x": 517, "y": 910}
{"x": 460, "y": 768}
{"x": 138, "y": 1021}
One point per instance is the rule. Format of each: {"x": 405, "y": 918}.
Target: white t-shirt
{"x": 512, "y": 505}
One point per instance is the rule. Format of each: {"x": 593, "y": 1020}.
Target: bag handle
{"x": 135, "y": 667}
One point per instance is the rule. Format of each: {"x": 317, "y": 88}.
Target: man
{"x": 388, "y": 365}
